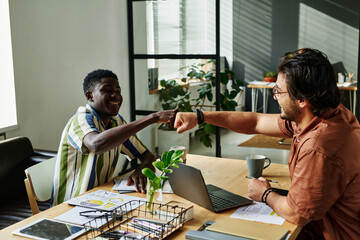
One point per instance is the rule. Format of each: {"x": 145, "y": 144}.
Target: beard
{"x": 290, "y": 111}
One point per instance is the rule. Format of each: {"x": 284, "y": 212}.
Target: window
{"x": 8, "y": 119}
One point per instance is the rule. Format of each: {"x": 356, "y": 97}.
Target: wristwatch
{"x": 200, "y": 116}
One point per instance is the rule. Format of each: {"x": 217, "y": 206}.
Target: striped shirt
{"x": 78, "y": 170}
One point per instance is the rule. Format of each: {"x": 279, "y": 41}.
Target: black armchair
{"x": 17, "y": 154}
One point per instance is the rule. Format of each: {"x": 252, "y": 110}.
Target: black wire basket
{"x": 148, "y": 221}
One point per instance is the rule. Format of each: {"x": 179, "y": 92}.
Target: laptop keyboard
{"x": 220, "y": 203}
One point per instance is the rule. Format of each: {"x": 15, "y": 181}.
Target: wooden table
{"x": 266, "y": 87}
{"x": 226, "y": 173}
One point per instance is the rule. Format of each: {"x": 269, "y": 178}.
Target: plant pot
{"x": 269, "y": 79}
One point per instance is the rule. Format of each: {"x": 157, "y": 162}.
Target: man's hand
{"x": 257, "y": 187}
{"x": 167, "y": 116}
{"x": 139, "y": 180}
{"x": 185, "y": 121}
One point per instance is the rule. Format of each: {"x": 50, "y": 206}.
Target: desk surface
{"x": 226, "y": 173}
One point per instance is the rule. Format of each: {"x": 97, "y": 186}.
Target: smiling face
{"x": 105, "y": 98}
{"x": 288, "y": 106}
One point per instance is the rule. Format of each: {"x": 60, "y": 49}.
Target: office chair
{"x": 38, "y": 183}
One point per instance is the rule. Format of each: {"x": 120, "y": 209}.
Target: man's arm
{"x": 277, "y": 202}
{"x": 241, "y": 122}
{"x": 112, "y": 138}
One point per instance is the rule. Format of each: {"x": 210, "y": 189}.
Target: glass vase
{"x": 152, "y": 195}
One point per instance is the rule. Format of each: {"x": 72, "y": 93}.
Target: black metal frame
{"x": 357, "y": 109}
{"x": 133, "y": 57}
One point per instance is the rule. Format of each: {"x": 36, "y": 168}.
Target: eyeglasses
{"x": 276, "y": 93}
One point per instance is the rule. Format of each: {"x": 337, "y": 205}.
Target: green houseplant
{"x": 227, "y": 97}
{"x": 175, "y": 95}
{"x": 167, "y": 160}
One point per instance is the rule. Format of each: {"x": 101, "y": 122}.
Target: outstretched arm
{"x": 241, "y": 122}
{"x": 109, "y": 139}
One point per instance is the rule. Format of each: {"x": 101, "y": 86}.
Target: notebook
{"x": 188, "y": 182}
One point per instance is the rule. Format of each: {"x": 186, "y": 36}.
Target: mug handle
{"x": 268, "y": 163}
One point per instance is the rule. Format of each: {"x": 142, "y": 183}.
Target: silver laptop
{"x": 188, "y": 182}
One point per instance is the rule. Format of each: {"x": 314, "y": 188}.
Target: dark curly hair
{"x": 95, "y": 77}
{"x": 311, "y": 77}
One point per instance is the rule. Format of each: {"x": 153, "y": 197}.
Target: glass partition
{"x": 174, "y": 27}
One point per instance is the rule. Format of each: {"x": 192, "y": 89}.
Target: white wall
{"x": 55, "y": 44}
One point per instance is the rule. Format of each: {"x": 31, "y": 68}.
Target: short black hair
{"x": 95, "y": 77}
{"x": 310, "y": 76}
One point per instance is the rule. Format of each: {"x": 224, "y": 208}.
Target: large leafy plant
{"x": 227, "y": 98}
{"x": 174, "y": 95}
{"x": 167, "y": 160}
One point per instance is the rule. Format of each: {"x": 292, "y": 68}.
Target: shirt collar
{"x": 112, "y": 119}
{"x": 328, "y": 113}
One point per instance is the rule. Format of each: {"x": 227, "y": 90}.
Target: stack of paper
{"x": 121, "y": 185}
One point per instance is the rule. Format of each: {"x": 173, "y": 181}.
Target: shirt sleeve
{"x": 286, "y": 127}
{"x": 133, "y": 147}
{"x": 317, "y": 182}
{"x": 81, "y": 124}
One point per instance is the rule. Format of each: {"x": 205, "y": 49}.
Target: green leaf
{"x": 179, "y": 160}
{"x": 175, "y": 165}
{"x": 159, "y": 165}
{"x": 208, "y": 128}
{"x": 168, "y": 157}
{"x": 164, "y": 178}
{"x": 157, "y": 183}
{"x": 209, "y": 96}
{"x": 176, "y": 155}
{"x": 238, "y": 82}
{"x": 163, "y": 158}
{"x": 167, "y": 170}
{"x": 224, "y": 78}
{"x": 149, "y": 173}
{"x": 206, "y": 141}
{"x": 233, "y": 94}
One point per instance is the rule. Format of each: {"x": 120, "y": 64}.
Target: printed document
{"x": 259, "y": 212}
{"x": 104, "y": 200}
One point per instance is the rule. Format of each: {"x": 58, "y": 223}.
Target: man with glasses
{"x": 324, "y": 160}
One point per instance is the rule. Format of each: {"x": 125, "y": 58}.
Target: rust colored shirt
{"x": 324, "y": 164}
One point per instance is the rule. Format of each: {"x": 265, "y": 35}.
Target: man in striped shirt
{"x": 95, "y": 136}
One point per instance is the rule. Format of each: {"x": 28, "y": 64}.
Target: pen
{"x": 273, "y": 181}
{"x": 126, "y": 191}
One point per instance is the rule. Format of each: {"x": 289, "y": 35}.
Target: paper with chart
{"x": 259, "y": 212}
{"x": 104, "y": 200}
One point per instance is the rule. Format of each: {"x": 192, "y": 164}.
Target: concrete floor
{"x": 229, "y": 148}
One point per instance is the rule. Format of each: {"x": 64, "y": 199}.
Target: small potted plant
{"x": 270, "y": 76}
{"x": 168, "y": 159}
